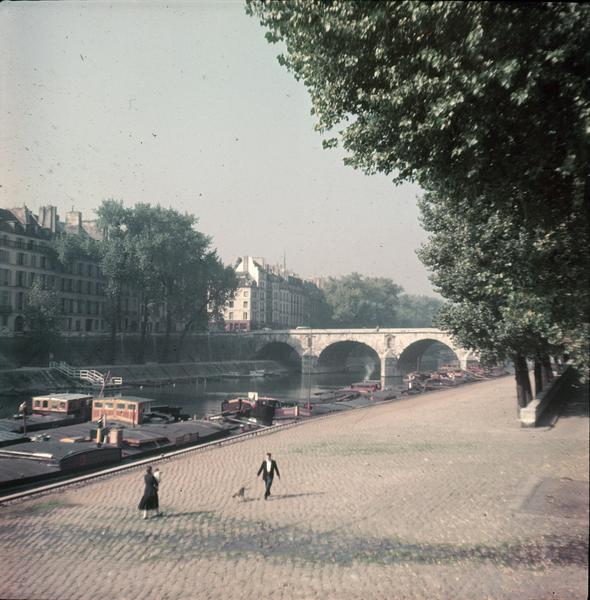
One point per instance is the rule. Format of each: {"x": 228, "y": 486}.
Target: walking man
{"x": 268, "y": 468}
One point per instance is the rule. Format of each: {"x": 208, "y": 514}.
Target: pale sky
{"x": 184, "y": 104}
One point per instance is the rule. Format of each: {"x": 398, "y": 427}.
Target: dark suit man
{"x": 268, "y": 468}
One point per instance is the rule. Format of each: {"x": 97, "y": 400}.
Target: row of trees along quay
{"x": 484, "y": 105}
{"x": 158, "y": 254}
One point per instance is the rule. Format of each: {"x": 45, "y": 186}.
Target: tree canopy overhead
{"x": 486, "y": 106}
{"x": 485, "y": 98}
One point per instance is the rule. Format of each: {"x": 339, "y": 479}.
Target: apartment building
{"x": 26, "y": 256}
{"x": 267, "y": 296}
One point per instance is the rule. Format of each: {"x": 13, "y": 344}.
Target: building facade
{"x": 267, "y": 296}
{"x": 26, "y": 256}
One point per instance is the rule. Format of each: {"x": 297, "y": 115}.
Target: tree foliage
{"x": 359, "y": 301}
{"x": 170, "y": 266}
{"x": 417, "y": 310}
{"x": 486, "y": 106}
{"x": 42, "y": 320}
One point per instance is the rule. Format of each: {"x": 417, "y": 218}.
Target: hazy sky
{"x": 185, "y": 104}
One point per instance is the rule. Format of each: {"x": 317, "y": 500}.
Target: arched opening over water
{"x": 426, "y": 355}
{"x": 281, "y": 352}
{"x": 350, "y": 357}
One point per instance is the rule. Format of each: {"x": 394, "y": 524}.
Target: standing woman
{"x": 149, "y": 500}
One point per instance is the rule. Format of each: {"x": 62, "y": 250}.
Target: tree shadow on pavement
{"x": 574, "y": 403}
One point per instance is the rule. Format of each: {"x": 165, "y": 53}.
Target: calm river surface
{"x": 201, "y": 399}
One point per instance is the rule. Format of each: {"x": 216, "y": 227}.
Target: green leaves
{"x": 358, "y": 301}
{"x": 485, "y": 105}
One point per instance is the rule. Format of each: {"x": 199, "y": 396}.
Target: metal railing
{"x": 91, "y": 375}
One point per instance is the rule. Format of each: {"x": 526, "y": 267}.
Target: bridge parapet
{"x": 388, "y": 343}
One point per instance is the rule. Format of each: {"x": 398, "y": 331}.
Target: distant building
{"x": 267, "y": 296}
{"x": 26, "y": 256}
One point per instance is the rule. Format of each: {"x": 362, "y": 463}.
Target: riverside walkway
{"x": 440, "y": 496}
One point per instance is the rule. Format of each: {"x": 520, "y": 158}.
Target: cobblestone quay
{"x": 438, "y": 496}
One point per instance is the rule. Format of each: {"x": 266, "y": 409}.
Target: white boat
{"x": 257, "y": 373}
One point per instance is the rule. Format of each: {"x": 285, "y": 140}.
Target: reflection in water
{"x": 205, "y": 396}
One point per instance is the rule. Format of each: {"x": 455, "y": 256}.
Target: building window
{"x": 245, "y": 305}
{"x": 245, "y": 316}
{"x": 21, "y": 278}
{"x": 33, "y": 260}
{"x": 4, "y": 256}
{"x": 231, "y": 316}
{"x": 5, "y": 277}
{"x": 43, "y": 262}
{"x": 245, "y": 293}
{"x": 20, "y": 259}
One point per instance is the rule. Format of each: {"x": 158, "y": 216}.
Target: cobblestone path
{"x": 440, "y": 496}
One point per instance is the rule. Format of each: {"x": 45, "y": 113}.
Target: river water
{"x": 205, "y": 397}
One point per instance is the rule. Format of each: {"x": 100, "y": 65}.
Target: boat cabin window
{"x": 120, "y": 407}
{"x": 108, "y": 405}
{"x": 37, "y": 403}
{"x": 131, "y": 407}
{"x": 45, "y": 403}
{"x": 62, "y": 404}
{"x": 55, "y": 404}
{"x": 98, "y": 404}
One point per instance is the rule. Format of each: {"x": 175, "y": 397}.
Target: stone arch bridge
{"x": 316, "y": 347}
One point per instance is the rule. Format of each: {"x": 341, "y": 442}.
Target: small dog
{"x": 241, "y": 494}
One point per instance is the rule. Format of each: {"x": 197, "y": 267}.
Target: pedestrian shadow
{"x": 196, "y": 513}
{"x": 286, "y": 496}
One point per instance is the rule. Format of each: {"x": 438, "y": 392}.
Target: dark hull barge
{"x": 71, "y": 450}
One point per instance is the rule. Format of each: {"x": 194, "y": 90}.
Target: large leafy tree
{"x": 42, "y": 322}
{"x": 486, "y": 106}
{"x": 118, "y": 269}
{"x": 417, "y": 310}
{"x": 159, "y": 254}
{"x": 358, "y": 301}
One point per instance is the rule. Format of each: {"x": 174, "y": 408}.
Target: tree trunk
{"x": 143, "y": 331}
{"x": 538, "y": 376}
{"x": 547, "y": 370}
{"x": 523, "y": 383}
{"x": 166, "y": 348}
{"x": 113, "y": 335}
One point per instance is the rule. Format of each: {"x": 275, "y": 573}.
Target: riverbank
{"x": 36, "y": 380}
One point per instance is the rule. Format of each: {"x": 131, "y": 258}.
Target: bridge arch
{"x": 426, "y": 354}
{"x": 349, "y": 355}
{"x": 282, "y": 352}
